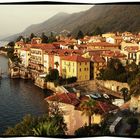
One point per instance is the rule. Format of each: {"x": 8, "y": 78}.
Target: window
{"x": 85, "y": 69}
{"x": 80, "y": 63}
{"x": 80, "y": 69}
{"x": 73, "y": 63}
{"x": 73, "y": 70}
{"x": 69, "y": 69}
{"x": 85, "y": 63}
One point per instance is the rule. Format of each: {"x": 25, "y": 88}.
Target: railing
{"x": 115, "y": 124}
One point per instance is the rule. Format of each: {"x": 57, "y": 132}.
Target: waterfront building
{"x": 76, "y": 66}
{"x": 18, "y": 46}
{"x": 24, "y": 56}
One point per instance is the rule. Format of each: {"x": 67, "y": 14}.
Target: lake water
{"x": 19, "y": 97}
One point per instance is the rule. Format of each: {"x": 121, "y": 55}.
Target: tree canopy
{"x": 80, "y": 35}
{"x": 114, "y": 71}
{"x": 44, "y": 38}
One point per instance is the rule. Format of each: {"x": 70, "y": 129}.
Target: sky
{"x": 15, "y": 18}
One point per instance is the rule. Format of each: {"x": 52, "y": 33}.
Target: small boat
{"x": 106, "y": 96}
{"x": 93, "y": 96}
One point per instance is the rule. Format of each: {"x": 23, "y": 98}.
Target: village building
{"x": 132, "y": 53}
{"x": 96, "y": 62}
{"x": 36, "y": 40}
{"x": 76, "y": 66}
{"x": 114, "y": 40}
{"x": 24, "y": 57}
{"x": 69, "y": 104}
{"x": 102, "y": 45}
{"x": 106, "y": 35}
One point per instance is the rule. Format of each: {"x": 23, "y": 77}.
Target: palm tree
{"x": 88, "y": 109}
{"x": 57, "y": 64}
{"x": 47, "y": 129}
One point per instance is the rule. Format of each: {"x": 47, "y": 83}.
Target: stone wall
{"x": 40, "y": 82}
{"x": 135, "y": 104}
{"x": 85, "y": 86}
{"x": 113, "y": 85}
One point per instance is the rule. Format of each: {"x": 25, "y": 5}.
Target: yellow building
{"x": 108, "y": 35}
{"x": 76, "y": 66}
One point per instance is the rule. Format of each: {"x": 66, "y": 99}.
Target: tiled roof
{"x": 43, "y": 46}
{"x": 102, "y": 106}
{"x": 131, "y": 48}
{"x": 103, "y": 44}
{"x": 97, "y": 59}
{"x": 68, "y": 98}
{"x": 25, "y": 49}
{"x": 76, "y": 58}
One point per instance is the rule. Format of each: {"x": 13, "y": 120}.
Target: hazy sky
{"x": 15, "y": 18}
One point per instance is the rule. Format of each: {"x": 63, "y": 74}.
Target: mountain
{"x": 108, "y": 17}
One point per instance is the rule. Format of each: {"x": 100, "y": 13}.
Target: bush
{"x": 71, "y": 80}
{"x": 92, "y": 130}
{"x": 133, "y": 122}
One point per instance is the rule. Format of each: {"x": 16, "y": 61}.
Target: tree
{"x": 87, "y": 108}
{"x": 133, "y": 122}
{"x": 80, "y": 35}
{"x": 44, "y": 38}
{"x": 114, "y": 71}
{"x": 135, "y": 85}
{"x": 24, "y": 128}
{"x": 20, "y": 38}
{"x": 57, "y": 64}
{"x": 53, "y": 75}
{"x": 32, "y": 36}
{"x": 92, "y": 130}
{"x": 51, "y": 38}
{"x": 97, "y": 31}
{"x": 46, "y": 125}
{"x": 11, "y": 44}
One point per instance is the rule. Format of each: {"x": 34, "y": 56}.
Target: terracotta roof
{"x": 43, "y": 46}
{"x": 68, "y": 98}
{"x": 102, "y": 106}
{"x": 76, "y": 58}
{"x": 25, "y": 49}
{"x": 132, "y": 48}
{"x": 81, "y": 46}
{"x": 102, "y": 44}
{"x": 97, "y": 59}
